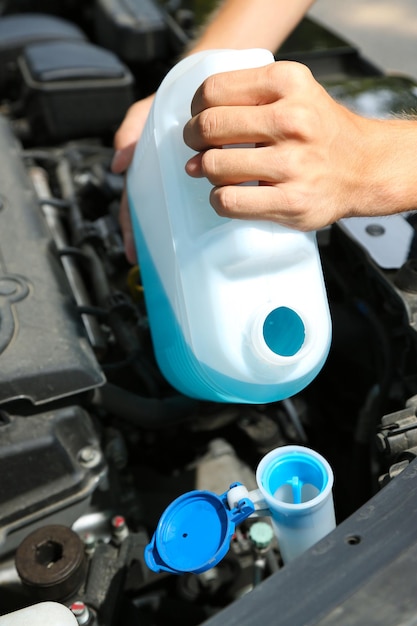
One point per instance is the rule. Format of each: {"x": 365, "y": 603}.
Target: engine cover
{"x": 62, "y": 463}
{"x": 41, "y": 333}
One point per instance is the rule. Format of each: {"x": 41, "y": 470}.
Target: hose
{"x": 150, "y": 413}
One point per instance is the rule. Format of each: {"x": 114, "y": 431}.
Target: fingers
{"x": 122, "y": 159}
{"x": 129, "y": 133}
{"x": 242, "y": 165}
{"x": 259, "y": 106}
{"x": 276, "y": 203}
{"x": 127, "y": 230}
{"x": 218, "y": 126}
{"x": 125, "y": 141}
{"x": 251, "y": 87}
{"x": 253, "y": 203}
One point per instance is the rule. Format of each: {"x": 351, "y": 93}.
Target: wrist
{"x": 389, "y": 167}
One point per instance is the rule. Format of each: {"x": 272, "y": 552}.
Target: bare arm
{"x": 250, "y": 24}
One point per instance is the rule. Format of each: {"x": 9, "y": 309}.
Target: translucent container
{"x": 237, "y": 309}
{"x": 296, "y": 485}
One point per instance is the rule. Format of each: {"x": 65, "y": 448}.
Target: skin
{"x": 316, "y": 161}
{"x": 236, "y": 24}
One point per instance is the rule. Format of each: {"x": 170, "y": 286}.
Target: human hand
{"x": 125, "y": 141}
{"x": 315, "y": 160}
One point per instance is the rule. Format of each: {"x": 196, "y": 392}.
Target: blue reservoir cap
{"x": 194, "y": 532}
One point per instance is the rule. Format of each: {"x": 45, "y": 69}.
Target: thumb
{"x": 129, "y": 133}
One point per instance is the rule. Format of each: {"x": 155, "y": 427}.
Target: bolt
{"x": 80, "y": 612}
{"x": 89, "y": 456}
{"x": 89, "y": 544}
{"x": 375, "y": 230}
{"x": 119, "y": 527}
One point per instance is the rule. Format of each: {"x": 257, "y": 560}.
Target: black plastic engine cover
{"x": 18, "y": 31}
{"x": 50, "y": 465}
{"x": 44, "y": 353}
{"x": 74, "y": 89}
{"x": 135, "y": 29}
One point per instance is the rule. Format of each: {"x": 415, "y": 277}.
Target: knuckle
{"x": 207, "y": 92}
{"x": 207, "y": 125}
{"x": 272, "y": 77}
{"x": 295, "y": 75}
{"x": 303, "y": 116}
{"x": 302, "y": 72}
{"x": 208, "y": 164}
{"x": 298, "y": 211}
{"x": 299, "y": 122}
{"x": 224, "y": 201}
{"x": 298, "y": 75}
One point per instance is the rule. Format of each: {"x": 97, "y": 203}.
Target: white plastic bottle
{"x": 45, "y": 613}
{"x": 237, "y": 309}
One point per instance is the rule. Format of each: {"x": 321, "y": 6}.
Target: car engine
{"x": 94, "y": 443}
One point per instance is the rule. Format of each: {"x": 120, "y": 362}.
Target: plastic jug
{"x": 237, "y": 309}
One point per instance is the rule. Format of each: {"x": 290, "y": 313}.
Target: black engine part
{"x": 41, "y": 337}
{"x": 135, "y": 29}
{"x": 74, "y": 89}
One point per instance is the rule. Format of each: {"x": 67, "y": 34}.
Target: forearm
{"x": 250, "y": 24}
{"x": 389, "y": 181}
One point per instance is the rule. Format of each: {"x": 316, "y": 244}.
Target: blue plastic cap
{"x": 194, "y": 532}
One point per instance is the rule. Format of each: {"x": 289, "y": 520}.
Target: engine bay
{"x": 94, "y": 443}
